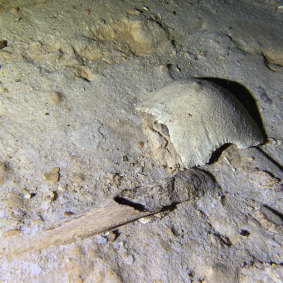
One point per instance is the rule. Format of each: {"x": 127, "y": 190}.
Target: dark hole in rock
{"x": 279, "y": 214}
{"x": 3, "y": 44}
{"x": 245, "y": 233}
{"x": 124, "y": 201}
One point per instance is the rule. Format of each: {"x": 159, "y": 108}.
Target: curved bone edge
{"x": 201, "y": 117}
{"x": 94, "y": 221}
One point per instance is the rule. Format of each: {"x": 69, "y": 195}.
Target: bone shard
{"x": 186, "y": 121}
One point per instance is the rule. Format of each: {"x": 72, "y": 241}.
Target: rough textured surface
{"x": 197, "y": 117}
{"x": 72, "y": 73}
{"x": 188, "y": 185}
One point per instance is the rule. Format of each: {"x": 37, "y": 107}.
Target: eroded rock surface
{"x": 72, "y": 73}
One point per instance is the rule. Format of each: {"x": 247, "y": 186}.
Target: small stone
{"x": 27, "y": 196}
{"x": 77, "y": 178}
{"x": 86, "y": 73}
{"x": 125, "y": 158}
{"x": 4, "y": 90}
{"x": 53, "y": 176}
{"x": 86, "y": 12}
{"x": 145, "y": 220}
{"x": 61, "y": 188}
{"x": 140, "y": 144}
{"x": 53, "y": 196}
{"x": 55, "y": 98}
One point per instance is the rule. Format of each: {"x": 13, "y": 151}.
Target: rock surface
{"x": 71, "y": 75}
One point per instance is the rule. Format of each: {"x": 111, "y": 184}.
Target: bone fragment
{"x": 130, "y": 205}
{"x": 93, "y": 221}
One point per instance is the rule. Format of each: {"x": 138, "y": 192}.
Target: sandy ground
{"x": 71, "y": 73}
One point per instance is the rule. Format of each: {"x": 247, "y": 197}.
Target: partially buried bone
{"x": 186, "y": 121}
{"x": 186, "y": 185}
{"x": 130, "y": 205}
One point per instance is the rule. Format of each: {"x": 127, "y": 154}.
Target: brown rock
{"x": 86, "y": 73}
{"x": 86, "y": 12}
{"x": 53, "y": 176}
{"x": 77, "y": 178}
{"x": 55, "y": 98}
{"x": 140, "y": 144}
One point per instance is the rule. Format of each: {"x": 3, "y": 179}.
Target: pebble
{"x": 86, "y": 12}
{"x": 145, "y": 220}
{"x": 77, "y": 178}
{"x": 53, "y": 176}
{"x": 140, "y": 144}
{"x": 55, "y": 98}
{"x": 86, "y": 74}
{"x": 27, "y": 196}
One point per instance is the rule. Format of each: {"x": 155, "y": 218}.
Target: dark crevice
{"x": 3, "y": 44}
{"x": 170, "y": 207}
{"x": 245, "y": 233}
{"x": 142, "y": 208}
{"x": 224, "y": 239}
{"x": 279, "y": 214}
{"x": 270, "y": 158}
{"x": 124, "y": 201}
